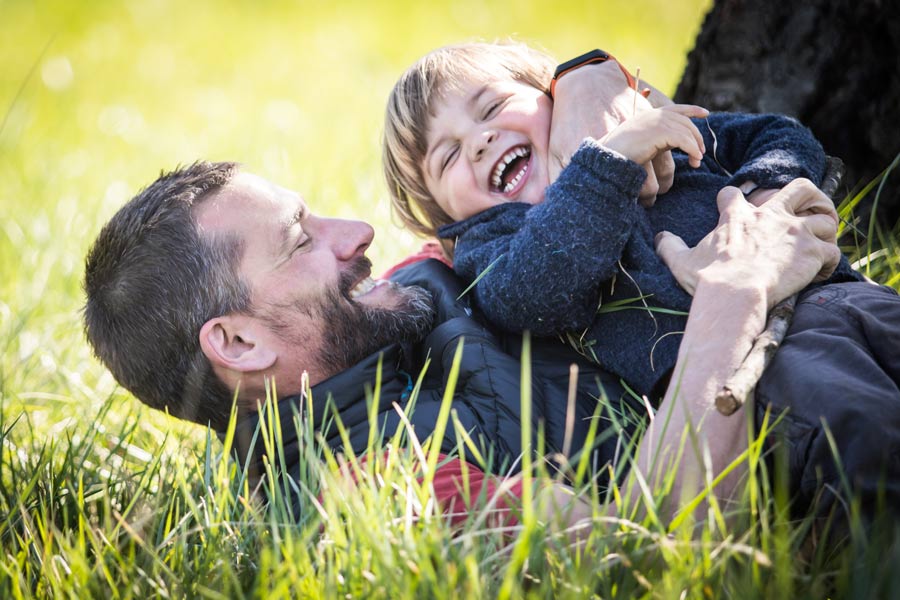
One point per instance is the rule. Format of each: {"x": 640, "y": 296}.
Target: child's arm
{"x": 768, "y": 150}
{"x": 547, "y": 261}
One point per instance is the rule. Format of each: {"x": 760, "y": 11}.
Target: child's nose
{"x": 483, "y": 139}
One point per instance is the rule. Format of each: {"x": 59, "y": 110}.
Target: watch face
{"x": 586, "y": 58}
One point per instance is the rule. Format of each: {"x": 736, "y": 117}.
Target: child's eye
{"x": 492, "y": 109}
{"x": 449, "y": 158}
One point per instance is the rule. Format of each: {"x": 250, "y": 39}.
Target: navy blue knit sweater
{"x": 583, "y": 263}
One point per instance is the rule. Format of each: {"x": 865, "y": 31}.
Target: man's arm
{"x": 755, "y": 257}
{"x": 590, "y": 102}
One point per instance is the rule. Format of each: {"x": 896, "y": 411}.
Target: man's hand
{"x": 593, "y": 100}
{"x": 781, "y": 246}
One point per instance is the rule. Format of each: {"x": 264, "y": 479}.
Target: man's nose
{"x": 347, "y": 238}
{"x": 480, "y": 142}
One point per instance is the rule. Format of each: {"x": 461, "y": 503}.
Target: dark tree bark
{"x": 833, "y": 64}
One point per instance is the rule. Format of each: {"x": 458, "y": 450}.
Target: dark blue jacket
{"x": 486, "y": 398}
{"x": 582, "y": 264}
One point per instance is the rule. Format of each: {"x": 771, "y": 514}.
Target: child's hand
{"x": 652, "y": 132}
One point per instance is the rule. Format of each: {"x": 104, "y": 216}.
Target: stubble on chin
{"x": 347, "y": 331}
{"x": 354, "y": 330}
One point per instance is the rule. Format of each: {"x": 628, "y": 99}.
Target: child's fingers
{"x": 650, "y": 188}
{"x": 683, "y": 134}
{"x": 648, "y": 134}
{"x": 688, "y": 110}
{"x": 695, "y": 112}
{"x": 664, "y": 166}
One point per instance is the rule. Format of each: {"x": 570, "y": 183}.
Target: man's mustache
{"x": 359, "y": 268}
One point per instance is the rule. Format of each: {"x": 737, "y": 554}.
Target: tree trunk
{"x": 833, "y": 64}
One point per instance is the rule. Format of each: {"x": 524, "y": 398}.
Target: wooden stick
{"x": 740, "y": 385}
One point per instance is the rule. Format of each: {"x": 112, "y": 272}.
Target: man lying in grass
{"x": 213, "y": 284}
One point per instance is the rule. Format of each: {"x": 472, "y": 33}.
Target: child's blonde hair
{"x": 412, "y": 102}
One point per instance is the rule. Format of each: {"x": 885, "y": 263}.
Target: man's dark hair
{"x": 152, "y": 281}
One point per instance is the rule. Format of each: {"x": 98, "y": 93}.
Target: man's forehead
{"x": 249, "y": 183}
{"x": 248, "y": 201}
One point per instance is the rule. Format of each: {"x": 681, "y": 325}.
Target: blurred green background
{"x": 97, "y": 97}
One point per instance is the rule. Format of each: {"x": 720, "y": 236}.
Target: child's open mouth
{"x": 510, "y": 169}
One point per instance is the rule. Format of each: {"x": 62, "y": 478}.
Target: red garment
{"x": 429, "y": 250}
{"x": 449, "y": 491}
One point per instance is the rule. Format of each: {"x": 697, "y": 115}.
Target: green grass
{"x": 101, "y": 497}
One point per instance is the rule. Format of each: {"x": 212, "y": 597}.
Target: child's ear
{"x": 232, "y": 342}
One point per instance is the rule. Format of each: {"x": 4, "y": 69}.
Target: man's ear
{"x": 234, "y": 342}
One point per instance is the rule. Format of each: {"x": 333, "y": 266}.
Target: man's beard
{"x": 352, "y": 330}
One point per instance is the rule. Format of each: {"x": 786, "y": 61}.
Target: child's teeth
{"x": 512, "y": 184}
{"x": 497, "y": 175}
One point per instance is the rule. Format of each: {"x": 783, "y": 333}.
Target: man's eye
{"x": 304, "y": 241}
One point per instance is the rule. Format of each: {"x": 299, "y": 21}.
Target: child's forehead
{"x": 456, "y": 85}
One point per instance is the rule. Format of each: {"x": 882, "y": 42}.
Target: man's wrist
{"x": 593, "y": 57}
{"x": 745, "y": 296}
{"x": 724, "y": 320}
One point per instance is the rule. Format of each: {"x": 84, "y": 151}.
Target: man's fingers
{"x": 664, "y": 167}
{"x": 647, "y": 195}
{"x": 557, "y": 164}
{"x": 760, "y": 196}
{"x": 675, "y": 254}
{"x": 801, "y": 196}
{"x": 730, "y": 198}
{"x": 822, "y": 226}
{"x": 669, "y": 246}
{"x": 831, "y": 256}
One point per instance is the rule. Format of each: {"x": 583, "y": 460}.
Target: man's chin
{"x": 402, "y": 314}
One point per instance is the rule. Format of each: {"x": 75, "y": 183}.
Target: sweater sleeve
{"x": 769, "y": 150}
{"x": 548, "y": 261}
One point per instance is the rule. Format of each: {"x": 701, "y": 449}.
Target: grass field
{"x": 101, "y": 497}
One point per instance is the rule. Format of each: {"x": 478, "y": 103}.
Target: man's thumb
{"x": 669, "y": 246}
{"x": 676, "y": 255}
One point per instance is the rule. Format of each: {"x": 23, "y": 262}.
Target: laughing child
{"x": 466, "y": 158}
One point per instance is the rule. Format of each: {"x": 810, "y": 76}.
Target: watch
{"x": 589, "y": 58}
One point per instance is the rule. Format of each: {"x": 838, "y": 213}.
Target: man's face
{"x": 310, "y": 281}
